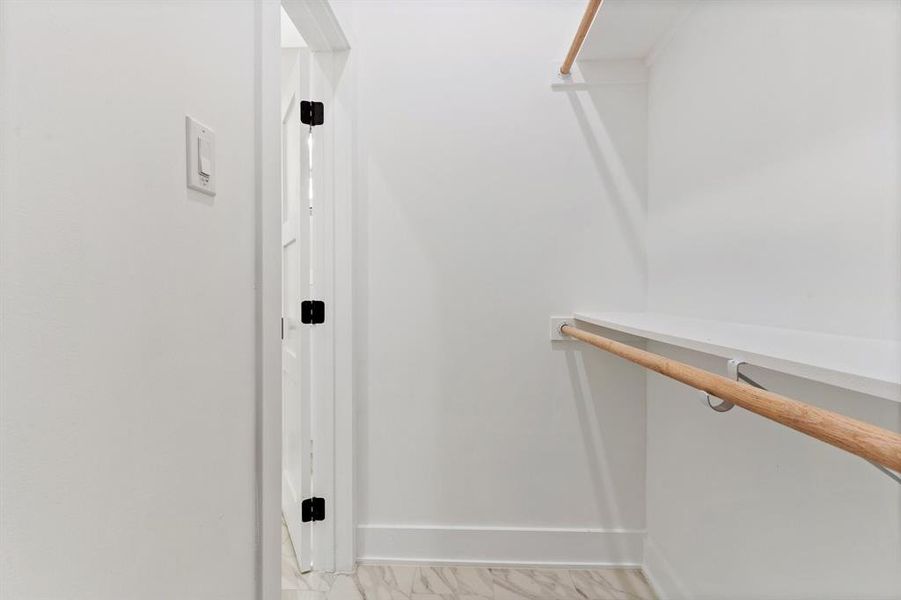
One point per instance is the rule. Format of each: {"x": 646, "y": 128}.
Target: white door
{"x": 296, "y": 367}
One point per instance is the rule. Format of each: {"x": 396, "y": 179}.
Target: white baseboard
{"x": 501, "y": 546}
{"x": 661, "y": 575}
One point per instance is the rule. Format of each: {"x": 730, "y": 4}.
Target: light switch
{"x": 201, "y": 155}
{"x": 203, "y": 148}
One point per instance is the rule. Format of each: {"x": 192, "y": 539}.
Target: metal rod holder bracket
{"x": 722, "y": 405}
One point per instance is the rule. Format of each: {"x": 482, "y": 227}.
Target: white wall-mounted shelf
{"x": 865, "y": 365}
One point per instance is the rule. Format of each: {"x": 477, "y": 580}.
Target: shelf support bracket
{"x": 732, "y": 368}
{"x": 723, "y": 406}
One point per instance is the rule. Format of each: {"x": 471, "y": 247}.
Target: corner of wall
{"x": 661, "y": 574}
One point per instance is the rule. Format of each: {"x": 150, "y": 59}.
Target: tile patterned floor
{"x": 384, "y": 582}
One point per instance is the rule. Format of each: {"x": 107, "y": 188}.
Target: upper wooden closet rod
{"x": 867, "y": 441}
{"x": 590, "y": 11}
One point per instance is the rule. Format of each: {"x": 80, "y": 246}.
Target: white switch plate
{"x": 556, "y": 324}
{"x": 197, "y": 180}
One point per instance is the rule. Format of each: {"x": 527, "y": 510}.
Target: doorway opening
{"x": 315, "y": 135}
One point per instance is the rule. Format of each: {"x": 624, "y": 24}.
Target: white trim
{"x": 333, "y": 470}
{"x": 323, "y": 335}
{"x": 500, "y": 546}
{"x": 342, "y": 196}
{"x": 660, "y": 574}
{"x": 268, "y": 284}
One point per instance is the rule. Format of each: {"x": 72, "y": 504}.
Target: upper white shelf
{"x": 864, "y": 365}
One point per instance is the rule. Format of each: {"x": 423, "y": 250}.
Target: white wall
{"x": 774, "y": 185}
{"x": 487, "y": 202}
{"x": 774, "y": 152}
{"x": 128, "y": 376}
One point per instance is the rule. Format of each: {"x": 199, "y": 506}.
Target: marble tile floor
{"x": 404, "y": 582}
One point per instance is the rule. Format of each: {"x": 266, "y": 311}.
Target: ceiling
{"x": 631, "y": 28}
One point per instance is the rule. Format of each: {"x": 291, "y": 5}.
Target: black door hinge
{"x": 312, "y": 113}
{"x": 283, "y": 327}
{"x": 312, "y": 312}
{"x": 312, "y": 509}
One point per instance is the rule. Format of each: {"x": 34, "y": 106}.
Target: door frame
{"x": 332, "y": 424}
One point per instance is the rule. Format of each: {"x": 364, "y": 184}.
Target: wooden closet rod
{"x": 590, "y": 11}
{"x": 867, "y": 441}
